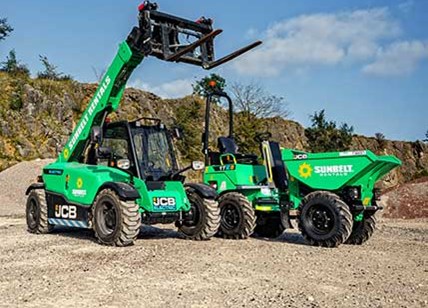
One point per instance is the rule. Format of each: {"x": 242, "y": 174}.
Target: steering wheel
{"x": 260, "y": 137}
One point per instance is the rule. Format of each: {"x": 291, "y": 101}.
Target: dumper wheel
{"x": 325, "y": 220}
{"x": 238, "y": 218}
{"x": 37, "y": 213}
{"x": 204, "y": 218}
{"x": 115, "y": 222}
{"x": 362, "y": 230}
{"x": 270, "y": 226}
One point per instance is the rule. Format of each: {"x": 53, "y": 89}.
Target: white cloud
{"x": 406, "y": 6}
{"x": 320, "y": 39}
{"x": 174, "y": 89}
{"x": 399, "y": 58}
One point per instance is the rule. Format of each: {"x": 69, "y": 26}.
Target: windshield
{"x": 154, "y": 153}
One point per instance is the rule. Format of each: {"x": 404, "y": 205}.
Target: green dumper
{"x": 331, "y": 195}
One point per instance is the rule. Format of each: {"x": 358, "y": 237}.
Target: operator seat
{"x": 227, "y": 145}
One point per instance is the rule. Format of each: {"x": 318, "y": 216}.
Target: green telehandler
{"x": 112, "y": 177}
{"x": 332, "y": 195}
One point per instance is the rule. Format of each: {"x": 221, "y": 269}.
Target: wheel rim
{"x": 195, "y": 216}
{"x": 33, "y": 214}
{"x": 107, "y": 218}
{"x": 321, "y": 219}
{"x": 230, "y": 216}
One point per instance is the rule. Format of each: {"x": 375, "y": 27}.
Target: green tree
{"x": 188, "y": 118}
{"x": 51, "y": 71}
{"x": 426, "y": 136}
{"x": 13, "y": 66}
{"x": 381, "y": 139}
{"x": 203, "y": 87}
{"x": 325, "y": 135}
{"x": 5, "y": 28}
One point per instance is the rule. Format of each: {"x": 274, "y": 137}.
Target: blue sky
{"x": 364, "y": 61}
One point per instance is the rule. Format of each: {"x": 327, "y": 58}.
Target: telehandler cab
{"x": 112, "y": 177}
{"x": 331, "y": 195}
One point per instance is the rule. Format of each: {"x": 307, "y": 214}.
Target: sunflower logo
{"x": 305, "y": 170}
{"x": 66, "y": 153}
{"x": 79, "y": 183}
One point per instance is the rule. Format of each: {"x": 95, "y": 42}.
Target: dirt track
{"x": 68, "y": 269}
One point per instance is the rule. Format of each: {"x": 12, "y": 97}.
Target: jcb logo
{"x": 66, "y": 211}
{"x": 164, "y": 201}
{"x": 301, "y": 156}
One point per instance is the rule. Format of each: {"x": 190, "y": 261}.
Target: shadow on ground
{"x": 291, "y": 238}
{"x": 146, "y": 233}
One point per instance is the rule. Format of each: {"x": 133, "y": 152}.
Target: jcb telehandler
{"x": 331, "y": 195}
{"x": 112, "y": 177}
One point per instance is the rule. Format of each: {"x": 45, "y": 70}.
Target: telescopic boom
{"x": 160, "y": 35}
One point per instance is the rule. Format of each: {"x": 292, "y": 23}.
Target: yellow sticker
{"x": 79, "y": 183}
{"x": 66, "y": 153}
{"x": 305, "y": 170}
{"x": 263, "y": 208}
{"x": 366, "y": 201}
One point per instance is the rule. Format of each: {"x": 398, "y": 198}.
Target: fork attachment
{"x": 176, "y": 39}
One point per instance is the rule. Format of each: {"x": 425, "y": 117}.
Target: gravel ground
{"x": 408, "y": 201}
{"x": 13, "y": 183}
{"x": 68, "y": 268}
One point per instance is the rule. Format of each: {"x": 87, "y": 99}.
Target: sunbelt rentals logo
{"x": 336, "y": 170}
{"x": 306, "y": 170}
{"x": 86, "y": 117}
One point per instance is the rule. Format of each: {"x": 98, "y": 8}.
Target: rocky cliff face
{"x": 37, "y": 116}
{"x": 414, "y": 156}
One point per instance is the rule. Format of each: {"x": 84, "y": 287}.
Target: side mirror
{"x": 198, "y": 165}
{"x": 123, "y": 164}
{"x": 177, "y": 133}
{"x": 96, "y": 135}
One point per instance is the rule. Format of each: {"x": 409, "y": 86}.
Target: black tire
{"x": 115, "y": 222}
{"x": 324, "y": 220}
{"x": 362, "y": 230}
{"x": 269, "y": 225}
{"x": 238, "y": 218}
{"x": 205, "y": 219}
{"x": 37, "y": 213}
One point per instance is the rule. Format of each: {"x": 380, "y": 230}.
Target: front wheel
{"x": 238, "y": 218}
{"x": 204, "y": 218}
{"x": 115, "y": 222}
{"x": 36, "y": 213}
{"x": 325, "y": 220}
{"x": 362, "y": 230}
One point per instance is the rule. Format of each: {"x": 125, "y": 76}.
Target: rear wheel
{"x": 37, "y": 212}
{"x": 115, "y": 222}
{"x": 238, "y": 218}
{"x": 325, "y": 220}
{"x": 362, "y": 230}
{"x": 204, "y": 218}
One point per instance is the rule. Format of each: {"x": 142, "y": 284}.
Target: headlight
{"x": 124, "y": 164}
{"x": 353, "y": 193}
{"x": 198, "y": 165}
{"x": 265, "y": 191}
